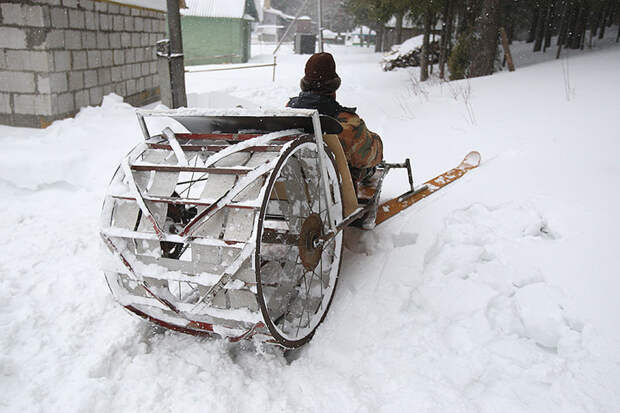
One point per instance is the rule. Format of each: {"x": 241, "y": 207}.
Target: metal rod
{"x": 409, "y": 172}
{"x": 320, "y": 18}
{"x": 290, "y": 26}
{"x": 231, "y": 68}
{"x": 177, "y": 66}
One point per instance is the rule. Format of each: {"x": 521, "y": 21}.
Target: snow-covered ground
{"x": 499, "y": 293}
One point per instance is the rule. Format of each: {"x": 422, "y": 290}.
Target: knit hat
{"x": 321, "y": 74}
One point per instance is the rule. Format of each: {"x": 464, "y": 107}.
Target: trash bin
{"x": 305, "y": 43}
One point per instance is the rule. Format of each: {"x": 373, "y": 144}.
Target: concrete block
{"x": 136, "y": 12}
{"x": 21, "y": 82}
{"x": 89, "y": 40}
{"x": 50, "y": 2}
{"x": 13, "y": 14}
{"x": 148, "y": 82}
{"x": 153, "y": 68}
{"x": 70, "y": 3}
{"x": 76, "y": 80}
{"x": 131, "y": 87}
{"x": 105, "y": 22}
{"x": 120, "y": 89}
{"x": 3, "y": 64}
{"x": 96, "y": 95}
{"x": 79, "y": 60}
{"x": 12, "y": 38}
{"x": 130, "y": 55}
{"x": 125, "y": 39}
{"x": 145, "y": 68}
{"x": 27, "y": 60}
{"x": 146, "y": 25}
{"x": 154, "y": 38}
{"x": 115, "y": 40}
{"x": 91, "y": 20}
{"x": 66, "y": 103}
{"x": 145, "y": 39}
{"x": 139, "y": 54}
{"x": 90, "y": 78}
{"x": 105, "y": 75}
{"x": 62, "y": 60}
{"x": 73, "y": 39}
{"x": 119, "y": 57}
{"x": 55, "y": 39}
{"x": 113, "y": 8}
{"x": 103, "y": 40}
{"x": 76, "y": 19}
{"x": 5, "y": 103}
{"x": 116, "y": 74}
{"x": 94, "y": 58}
{"x": 87, "y": 4}
{"x": 135, "y": 40}
{"x": 82, "y": 99}
{"x": 24, "y": 104}
{"x": 44, "y": 104}
{"x": 52, "y": 83}
{"x": 59, "y": 17}
{"x": 107, "y": 58}
{"x": 138, "y": 24}
{"x": 36, "y": 16}
{"x": 129, "y": 26}
{"x": 118, "y": 23}
{"x": 126, "y": 72}
{"x": 135, "y": 70}
{"x": 101, "y": 7}
{"x": 107, "y": 89}
{"x": 125, "y": 10}
{"x": 140, "y": 84}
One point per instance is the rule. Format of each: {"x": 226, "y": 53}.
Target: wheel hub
{"x": 310, "y": 247}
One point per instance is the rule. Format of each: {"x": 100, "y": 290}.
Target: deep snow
{"x": 496, "y": 294}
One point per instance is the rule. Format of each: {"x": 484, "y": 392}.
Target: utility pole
{"x": 177, "y": 67}
{"x": 320, "y": 26}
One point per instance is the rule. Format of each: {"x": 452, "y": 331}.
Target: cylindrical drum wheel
{"x": 297, "y": 273}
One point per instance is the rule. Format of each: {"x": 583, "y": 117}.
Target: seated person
{"x": 363, "y": 148}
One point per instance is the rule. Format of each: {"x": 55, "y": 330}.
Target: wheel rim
{"x": 297, "y": 275}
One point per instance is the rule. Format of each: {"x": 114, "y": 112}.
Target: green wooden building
{"x": 217, "y": 31}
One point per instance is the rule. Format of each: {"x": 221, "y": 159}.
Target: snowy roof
{"x": 232, "y": 9}
{"x": 147, "y": 4}
{"x": 278, "y": 13}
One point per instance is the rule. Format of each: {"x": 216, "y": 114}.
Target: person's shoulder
{"x": 348, "y": 110}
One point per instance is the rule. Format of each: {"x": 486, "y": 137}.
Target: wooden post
{"x": 506, "y": 46}
{"x": 177, "y": 66}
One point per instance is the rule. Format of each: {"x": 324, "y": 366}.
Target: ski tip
{"x": 472, "y": 159}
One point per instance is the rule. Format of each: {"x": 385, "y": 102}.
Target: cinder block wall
{"x": 57, "y": 56}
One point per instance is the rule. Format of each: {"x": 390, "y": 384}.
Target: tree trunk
{"x": 535, "y": 18}
{"x": 379, "y": 38}
{"x": 399, "y": 27}
{"x": 446, "y": 36}
{"x": 618, "y": 35}
{"x": 572, "y": 37}
{"x": 425, "y": 45}
{"x": 540, "y": 28}
{"x": 562, "y": 31}
{"x": 485, "y": 43}
{"x": 582, "y": 23}
{"x": 549, "y": 27}
{"x": 506, "y": 46}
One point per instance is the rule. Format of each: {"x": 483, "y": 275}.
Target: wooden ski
{"x": 392, "y": 207}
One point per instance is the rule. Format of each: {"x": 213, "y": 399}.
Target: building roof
{"x": 147, "y": 4}
{"x": 231, "y": 9}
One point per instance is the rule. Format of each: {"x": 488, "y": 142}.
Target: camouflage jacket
{"x": 363, "y": 148}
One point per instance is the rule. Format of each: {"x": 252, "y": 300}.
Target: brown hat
{"x": 321, "y": 66}
{"x": 321, "y": 74}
